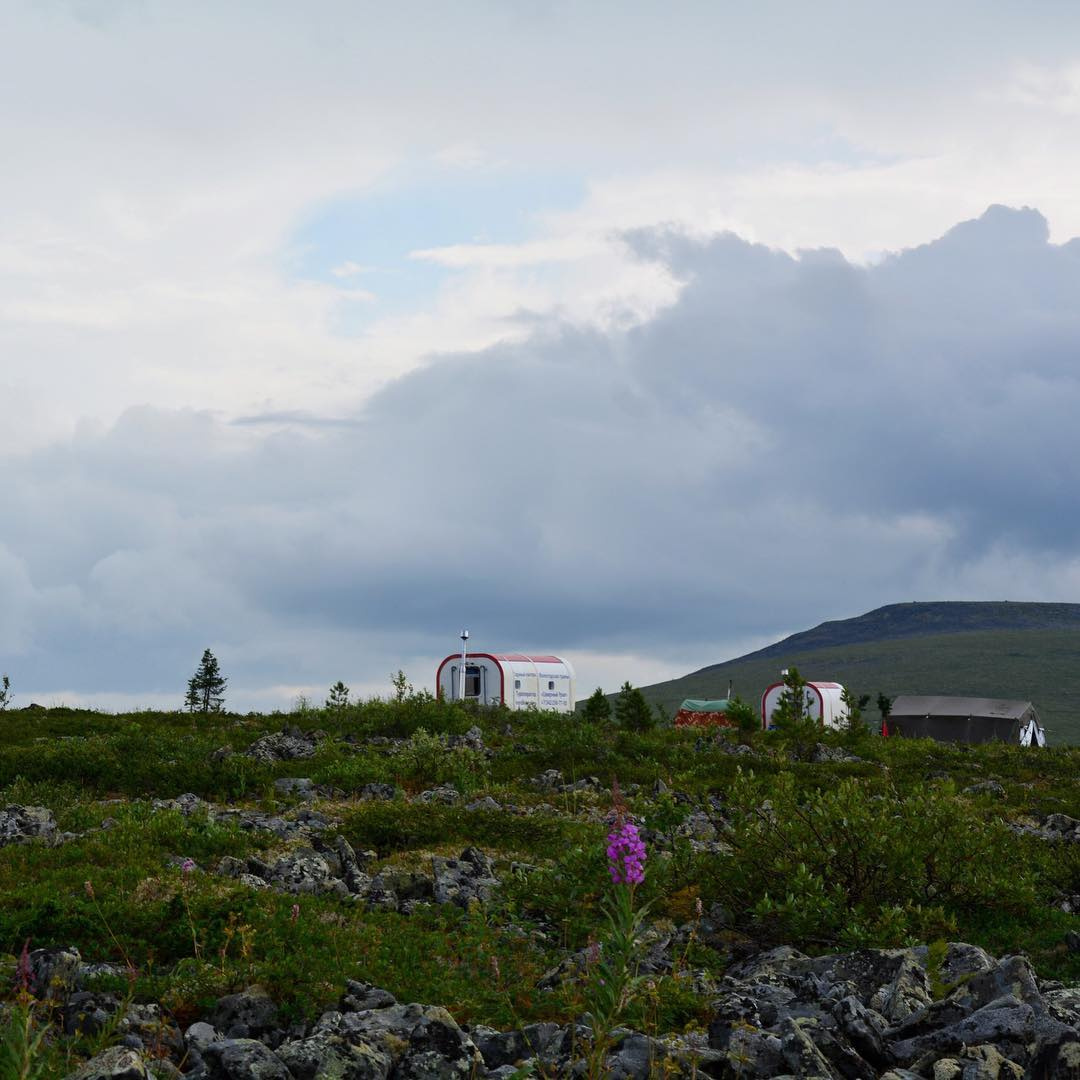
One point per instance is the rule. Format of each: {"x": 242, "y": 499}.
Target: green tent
{"x": 694, "y": 705}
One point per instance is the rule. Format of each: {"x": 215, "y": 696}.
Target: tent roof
{"x": 700, "y": 705}
{"x": 960, "y": 707}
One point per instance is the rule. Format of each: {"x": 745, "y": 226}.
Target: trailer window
{"x": 517, "y": 684}
{"x": 551, "y": 685}
{"x": 472, "y": 682}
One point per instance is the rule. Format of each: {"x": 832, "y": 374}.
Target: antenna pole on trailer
{"x": 461, "y": 678}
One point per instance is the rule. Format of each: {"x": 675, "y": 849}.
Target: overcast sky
{"x": 641, "y": 333}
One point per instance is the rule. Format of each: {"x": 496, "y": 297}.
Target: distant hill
{"x": 1024, "y": 651}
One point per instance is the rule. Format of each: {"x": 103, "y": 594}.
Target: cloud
{"x": 795, "y": 438}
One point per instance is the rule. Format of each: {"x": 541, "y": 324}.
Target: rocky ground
{"x": 479, "y": 875}
{"x": 895, "y": 1014}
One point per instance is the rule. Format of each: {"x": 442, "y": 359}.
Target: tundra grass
{"x": 189, "y": 938}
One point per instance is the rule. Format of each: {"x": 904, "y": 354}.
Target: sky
{"x": 645, "y": 334}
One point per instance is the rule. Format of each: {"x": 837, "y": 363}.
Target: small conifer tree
{"x": 597, "y": 708}
{"x": 5, "y": 692}
{"x": 884, "y": 705}
{"x": 206, "y": 688}
{"x": 632, "y": 712}
{"x": 339, "y": 696}
{"x": 856, "y": 727}
{"x": 791, "y": 709}
{"x": 743, "y": 715}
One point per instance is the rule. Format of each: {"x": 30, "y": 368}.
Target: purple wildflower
{"x": 187, "y": 866}
{"x": 626, "y": 855}
{"x": 294, "y": 913}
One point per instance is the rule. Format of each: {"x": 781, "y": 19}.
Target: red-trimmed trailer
{"x": 823, "y": 702}
{"x": 516, "y": 680}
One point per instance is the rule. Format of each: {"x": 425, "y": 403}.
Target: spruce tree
{"x": 597, "y": 708}
{"x": 5, "y": 692}
{"x": 339, "y": 696}
{"x": 206, "y": 688}
{"x": 632, "y": 712}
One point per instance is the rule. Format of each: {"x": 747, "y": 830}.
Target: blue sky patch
{"x": 365, "y": 239}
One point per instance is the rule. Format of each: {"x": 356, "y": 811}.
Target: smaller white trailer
{"x": 823, "y": 703}
{"x": 515, "y": 680}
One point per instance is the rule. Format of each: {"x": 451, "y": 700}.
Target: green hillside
{"x": 1023, "y": 651}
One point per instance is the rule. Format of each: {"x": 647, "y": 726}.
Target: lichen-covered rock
{"x": 359, "y": 996}
{"x": 297, "y": 787}
{"x": 824, "y": 754}
{"x": 305, "y": 871}
{"x": 377, "y": 793}
{"x": 465, "y": 879}
{"x": 52, "y": 974}
{"x": 445, "y": 795}
{"x": 285, "y": 745}
{"x": 250, "y": 1014}
{"x": 473, "y": 739}
{"x": 907, "y": 993}
{"x": 1007, "y": 1023}
{"x": 243, "y": 1059}
{"x": 21, "y": 824}
{"x": 330, "y": 1057}
{"x": 424, "y": 1041}
{"x": 116, "y": 1063}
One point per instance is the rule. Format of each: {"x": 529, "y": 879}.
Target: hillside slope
{"x": 1013, "y": 650}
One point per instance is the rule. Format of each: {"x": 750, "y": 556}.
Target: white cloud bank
{"x": 793, "y": 439}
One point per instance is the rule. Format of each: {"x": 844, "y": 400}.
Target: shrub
{"x": 428, "y": 759}
{"x": 860, "y": 863}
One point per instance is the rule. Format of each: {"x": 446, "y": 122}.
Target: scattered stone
{"x": 986, "y": 787}
{"x": 305, "y": 871}
{"x": 330, "y": 1057}
{"x": 285, "y": 745}
{"x": 116, "y": 1063}
{"x": 243, "y": 1059}
{"x": 300, "y": 787}
{"x": 21, "y": 824}
{"x": 824, "y": 754}
{"x": 54, "y": 973}
{"x": 552, "y": 780}
{"x": 445, "y": 794}
{"x": 486, "y": 803}
{"x": 251, "y": 1014}
{"x": 464, "y": 880}
{"x": 377, "y": 793}
{"x": 473, "y": 739}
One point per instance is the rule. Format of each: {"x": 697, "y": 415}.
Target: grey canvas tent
{"x": 969, "y": 720}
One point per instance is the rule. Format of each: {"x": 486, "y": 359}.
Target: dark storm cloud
{"x": 796, "y": 438}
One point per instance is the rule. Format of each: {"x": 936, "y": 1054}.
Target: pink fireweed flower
{"x": 626, "y": 855}
{"x": 23, "y": 976}
{"x": 294, "y": 913}
{"x": 187, "y": 866}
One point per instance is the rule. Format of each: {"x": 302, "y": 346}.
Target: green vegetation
{"x": 884, "y": 850}
{"x": 1017, "y": 651}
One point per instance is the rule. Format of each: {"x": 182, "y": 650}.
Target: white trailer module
{"x": 823, "y": 702}
{"x": 511, "y": 679}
